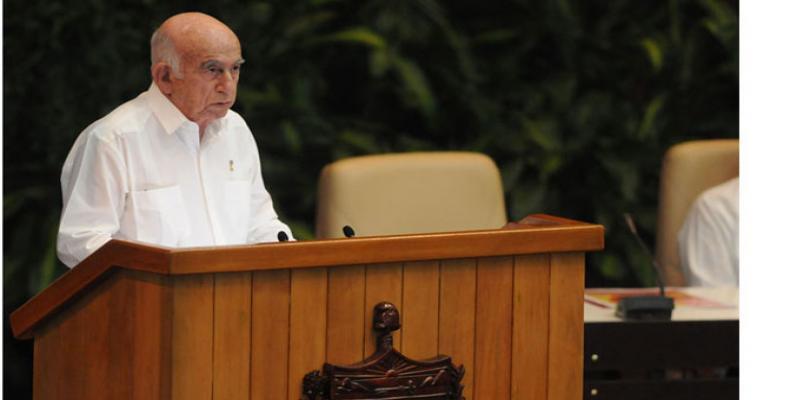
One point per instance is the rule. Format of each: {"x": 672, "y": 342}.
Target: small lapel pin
{"x": 230, "y": 165}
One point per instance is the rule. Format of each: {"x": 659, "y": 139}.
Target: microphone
{"x": 282, "y": 236}
{"x": 632, "y": 228}
{"x": 645, "y": 308}
{"x": 348, "y": 231}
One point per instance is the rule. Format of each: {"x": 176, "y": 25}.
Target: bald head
{"x": 188, "y": 34}
{"x": 195, "y": 63}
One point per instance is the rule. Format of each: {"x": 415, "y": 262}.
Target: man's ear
{"x": 162, "y": 74}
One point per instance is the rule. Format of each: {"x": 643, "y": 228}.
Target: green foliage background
{"x": 575, "y": 100}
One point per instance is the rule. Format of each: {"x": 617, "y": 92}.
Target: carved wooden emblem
{"x": 387, "y": 374}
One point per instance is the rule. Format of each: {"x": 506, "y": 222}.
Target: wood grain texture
{"x": 115, "y": 253}
{"x": 193, "y": 337}
{"x": 271, "y": 293}
{"x": 420, "y": 310}
{"x": 493, "y": 327}
{"x": 232, "y": 326}
{"x": 75, "y": 334}
{"x": 556, "y": 235}
{"x": 100, "y": 340}
{"x": 307, "y": 347}
{"x": 382, "y": 282}
{"x": 47, "y": 367}
{"x": 531, "y": 279}
{"x": 128, "y": 324}
{"x": 457, "y": 298}
{"x": 566, "y": 326}
{"x": 529, "y": 239}
{"x": 151, "y": 334}
{"x": 346, "y": 315}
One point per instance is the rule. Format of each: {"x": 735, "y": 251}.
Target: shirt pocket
{"x": 159, "y": 216}
{"x": 236, "y": 209}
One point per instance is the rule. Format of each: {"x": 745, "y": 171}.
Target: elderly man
{"x": 175, "y": 166}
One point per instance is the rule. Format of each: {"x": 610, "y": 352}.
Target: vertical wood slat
{"x": 382, "y": 282}
{"x": 150, "y": 355}
{"x": 420, "y": 311}
{"x": 566, "y": 326}
{"x": 531, "y": 277}
{"x": 193, "y": 336}
{"x": 232, "y": 319}
{"x": 307, "y": 346}
{"x": 114, "y": 335}
{"x": 457, "y": 297}
{"x": 346, "y": 315}
{"x": 271, "y": 292}
{"x": 493, "y": 327}
{"x": 45, "y": 365}
{"x": 120, "y": 321}
{"x": 232, "y": 303}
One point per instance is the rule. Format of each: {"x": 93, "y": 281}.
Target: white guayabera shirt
{"x": 141, "y": 173}
{"x": 708, "y": 241}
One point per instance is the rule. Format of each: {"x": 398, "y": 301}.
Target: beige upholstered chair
{"x": 688, "y": 169}
{"x": 391, "y": 194}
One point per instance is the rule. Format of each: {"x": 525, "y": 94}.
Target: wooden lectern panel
{"x": 254, "y": 336}
{"x": 232, "y": 326}
{"x": 115, "y": 333}
{"x": 307, "y": 347}
{"x": 493, "y": 327}
{"x": 531, "y": 278}
{"x": 566, "y": 326}
{"x": 457, "y": 298}
{"x": 420, "y": 327}
{"x": 239, "y": 323}
{"x": 346, "y": 315}
{"x": 193, "y": 337}
{"x": 271, "y": 293}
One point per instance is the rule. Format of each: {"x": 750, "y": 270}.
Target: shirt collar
{"x": 166, "y": 112}
{"x": 217, "y": 127}
{"x": 172, "y": 118}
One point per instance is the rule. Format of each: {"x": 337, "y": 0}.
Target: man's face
{"x": 207, "y": 87}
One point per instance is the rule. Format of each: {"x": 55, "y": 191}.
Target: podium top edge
{"x": 534, "y": 234}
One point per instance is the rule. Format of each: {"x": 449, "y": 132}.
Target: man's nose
{"x": 225, "y": 81}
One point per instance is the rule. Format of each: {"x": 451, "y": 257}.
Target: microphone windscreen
{"x": 348, "y": 231}
{"x": 282, "y": 236}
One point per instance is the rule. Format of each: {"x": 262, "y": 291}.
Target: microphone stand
{"x": 646, "y": 308}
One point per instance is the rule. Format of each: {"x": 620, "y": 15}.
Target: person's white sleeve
{"x": 93, "y": 183}
{"x": 264, "y": 223}
{"x": 707, "y": 248}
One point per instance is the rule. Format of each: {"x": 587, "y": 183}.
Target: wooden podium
{"x": 248, "y": 322}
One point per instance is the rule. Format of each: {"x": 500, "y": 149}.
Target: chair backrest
{"x": 404, "y": 193}
{"x": 688, "y": 169}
